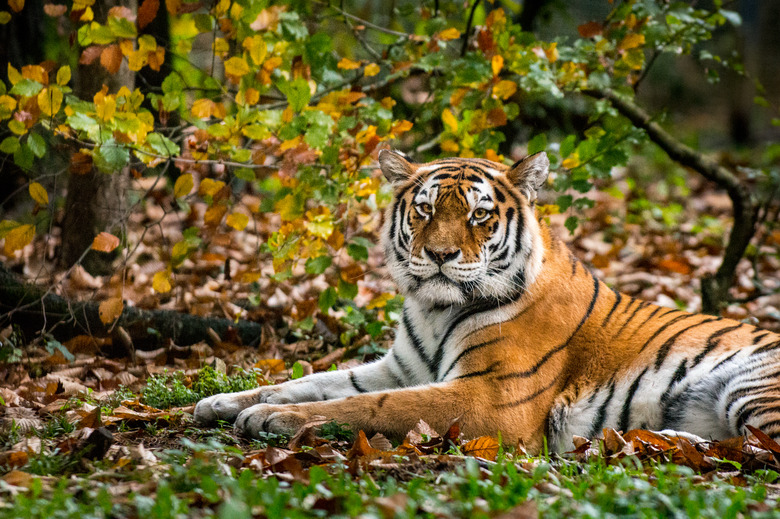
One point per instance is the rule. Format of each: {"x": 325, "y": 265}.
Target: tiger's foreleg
{"x": 329, "y": 385}
{"x": 395, "y": 412}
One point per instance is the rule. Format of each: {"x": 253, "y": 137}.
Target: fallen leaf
{"x": 484, "y": 447}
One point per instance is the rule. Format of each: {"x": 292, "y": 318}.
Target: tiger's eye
{"x": 425, "y": 208}
{"x": 480, "y": 213}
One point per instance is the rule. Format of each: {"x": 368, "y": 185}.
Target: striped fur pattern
{"x": 505, "y": 330}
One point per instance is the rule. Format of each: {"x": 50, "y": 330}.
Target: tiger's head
{"x": 463, "y": 230}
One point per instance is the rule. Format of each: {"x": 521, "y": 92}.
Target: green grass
{"x": 170, "y": 390}
{"x": 201, "y": 480}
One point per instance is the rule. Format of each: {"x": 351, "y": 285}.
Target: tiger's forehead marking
{"x": 471, "y": 182}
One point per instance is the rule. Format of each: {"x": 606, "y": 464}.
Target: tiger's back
{"x": 504, "y": 329}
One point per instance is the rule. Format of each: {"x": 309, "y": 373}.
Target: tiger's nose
{"x": 440, "y": 257}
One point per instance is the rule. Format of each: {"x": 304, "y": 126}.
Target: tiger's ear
{"x": 395, "y": 166}
{"x": 529, "y": 174}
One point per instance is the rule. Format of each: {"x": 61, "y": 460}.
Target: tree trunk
{"x": 95, "y": 201}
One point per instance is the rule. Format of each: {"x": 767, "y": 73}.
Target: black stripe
{"x": 679, "y": 374}
{"x": 416, "y": 344}
{"x": 528, "y": 398}
{"x": 665, "y": 326}
{"x": 405, "y": 371}
{"x": 751, "y": 404}
{"x": 755, "y": 412}
{"x": 765, "y": 427}
{"x": 487, "y": 371}
{"x": 574, "y": 262}
{"x": 663, "y": 351}
{"x": 719, "y": 364}
{"x": 466, "y": 352}
{"x": 759, "y": 338}
{"x": 713, "y": 341}
{"x": 353, "y": 380}
{"x": 601, "y": 415}
{"x": 618, "y": 298}
{"x": 527, "y": 373}
{"x": 631, "y": 317}
{"x": 398, "y": 381}
{"x": 625, "y": 412}
{"x": 767, "y": 347}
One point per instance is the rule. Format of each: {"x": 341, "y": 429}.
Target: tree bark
{"x": 95, "y": 201}
{"x": 714, "y": 288}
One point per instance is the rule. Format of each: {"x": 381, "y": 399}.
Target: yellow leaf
{"x": 497, "y": 63}
{"x": 449, "y": 34}
{"x": 634, "y": 59}
{"x": 257, "y": 49}
{"x": 202, "y": 108}
{"x": 110, "y": 309}
{"x": 237, "y": 221}
{"x": 50, "y": 100}
{"x": 572, "y": 161}
{"x": 273, "y": 366}
{"x": 290, "y": 143}
{"x": 18, "y": 238}
{"x": 210, "y": 187}
{"x": 7, "y": 106}
{"x": 348, "y": 64}
{"x": 251, "y": 277}
{"x": 372, "y": 69}
{"x": 5, "y": 17}
{"x": 379, "y": 301}
{"x": 631, "y": 41}
{"x": 14, "y": 76}
{"x": 88, "y": 15}
{"x": 251, "y": 96}
{"x": 552, "y": 52}
{"x": 105, "y": 242}
{"x": 63, "y": 75}
{"x": 161, "y": 282}
{"x": 16, "y": 5}
{"x": 504, "y": 89}
{"x": 450, "y": 145}
{"x": 236, "y": 66}
{"x": 450, "y": 122}
{"x": 183, "y": 185}
{"x": 38, "y": 193}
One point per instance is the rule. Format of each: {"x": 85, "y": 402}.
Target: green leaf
{"x": 162, "y": 144}
{"x": 357, "y": 252}
{"x": 111, "y": 156}
{"x": 347, "y": 290}
{"x": 374, "y": 329}
{"x": 571, "y": 223}
{"x": 23, "y": 157}
{"x": 567, "y": 145}
{"x": 297, "y": 370}
{"x": 564, "y": 202}
{"x": 37, "y": 145}
{"x": 537, "y": 144}
{"x": 318, "y": 265}
{"x": 27, "y": 88}
{"x": 122, "y": 27}
{"x": 245, "y": 174}
{"x": 327, "y": 299}
{"x": 297, "y": 93}
{"x": 10, "y": 145}
{"x": 173, "y": 84}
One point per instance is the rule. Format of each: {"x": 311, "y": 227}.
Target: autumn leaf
{"x": 16, "y": 5}
{"x": 348, "y": 64}
{"x": 372, "y": 69}
{"x": 504, "y": 89}
{"x": 110, "y": 309}
{"x": 272, "y": 366}
{"x": 631, "y": 41}
{"x": 18, "y": 238}
{"x": 236, "y": 66}
{"x": 210, "y": 187}
{"x": 63, "y": 75}
{"x": 50, "y": 100}
{"x": 147, "y": 12}
{"x": 361, "y": 447}
{"x": 105, "y": 242}
{"x": 449, "y": 34}
{"x": 590, "y": 29}
{"x": 111, "y": 58}
{"x": 183, "y": 185}
{"x": 55, "y": 10}
{"x": 450, "y": 122}
{"x": 496, "y": 64}
{"x": 38, "y": 193}
{"x": 485, "y": 447}
{"x": 161, "y": 282}
{"x": 90, "y": 54}
{"x": 237, "y": 221}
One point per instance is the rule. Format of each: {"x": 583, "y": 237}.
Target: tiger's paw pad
{"x": 269, "y": 418}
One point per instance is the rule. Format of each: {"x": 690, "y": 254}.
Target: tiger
{"x": 504, "y": 330}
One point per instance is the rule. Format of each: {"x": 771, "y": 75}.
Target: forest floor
{"x": 92, "y": 429}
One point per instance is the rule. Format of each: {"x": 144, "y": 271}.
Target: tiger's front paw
{"x": 279, "y": 419}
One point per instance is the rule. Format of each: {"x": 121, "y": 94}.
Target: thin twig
{"x": 465, "y": 46}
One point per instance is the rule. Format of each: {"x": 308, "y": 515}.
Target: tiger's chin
{"x": 440, "y": 290}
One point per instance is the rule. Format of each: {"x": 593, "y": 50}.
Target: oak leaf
{"x": 485, "y": 447}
